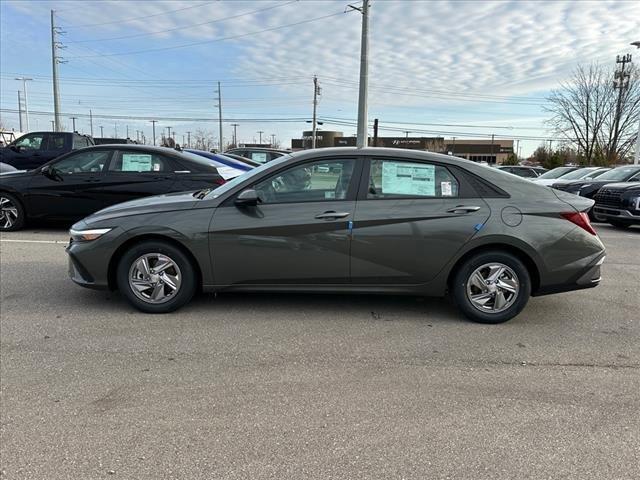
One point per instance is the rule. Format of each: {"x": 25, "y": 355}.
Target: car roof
{"x": 259, "y": 149}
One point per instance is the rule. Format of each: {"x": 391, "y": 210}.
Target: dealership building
{"x": 490, "y": 151}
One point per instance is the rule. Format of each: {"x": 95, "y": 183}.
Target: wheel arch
{"x": 521, "y": 254}
{"x": 120, "y": 251}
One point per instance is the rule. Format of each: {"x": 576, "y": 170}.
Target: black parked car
{"x": 589, "y": 187}
{"x": 619, "y": 204}
{"x": 83, "y": 182}
{"x": 258, "y": 154}
{"x": 523, "y": 171}
{"x": 37, "y": 148}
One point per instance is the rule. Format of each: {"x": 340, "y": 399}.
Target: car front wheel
{"x": 11, "y": 213}
{"x": 156, "y": 277}
{"x": 491, "y": 287}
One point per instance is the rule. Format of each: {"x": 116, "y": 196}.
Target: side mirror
{"x": 51, "y": 173}
{"x": 15, "y": 148}
{"x": 247, "y": 198}
{"x": 46, "y": 171}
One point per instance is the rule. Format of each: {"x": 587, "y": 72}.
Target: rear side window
{"x": 56, "y": 141}
{"x": 140, "y": 162}
{"x": 79, "y": 142}
{"x": 260, "y": 157}
{"x": 527, "y": 173}
{"x": 401, "y": 178}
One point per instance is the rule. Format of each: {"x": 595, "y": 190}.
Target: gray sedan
{"x": 370, "y": 220}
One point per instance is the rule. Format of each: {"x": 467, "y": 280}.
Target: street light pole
{"x": 235, "y": 134}
{"x": 636, "y": 159}
{"x": 26, "y": 104}
{"x": 73, "y": 121}
{"x": 154, "y": 130}
{"x": 361, "y": 141}
{"x": 101, "y": 131}
{"x": 260, "y": 132}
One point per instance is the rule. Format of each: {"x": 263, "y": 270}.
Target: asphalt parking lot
{"x": 302, "y": 386}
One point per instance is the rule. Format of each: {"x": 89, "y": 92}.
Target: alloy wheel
{"x": 155, "y": 278}
{"x": 8, "y": 213}
{"x": 493, "y": 287}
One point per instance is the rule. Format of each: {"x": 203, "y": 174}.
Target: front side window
{"x": 56, "y": 141}
{"x": 312, "y": 182}
{"x": 139, "y": 162}
{"x": 30, "y": 142}
{"x": 400, "y": 178}
{"x": 85, "y": 162}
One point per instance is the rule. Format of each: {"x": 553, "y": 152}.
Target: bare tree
{"x": 203, "y": 140}
{"x": 583, "y": 111}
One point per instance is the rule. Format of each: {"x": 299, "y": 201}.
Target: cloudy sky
{"x": 446, "y": 68}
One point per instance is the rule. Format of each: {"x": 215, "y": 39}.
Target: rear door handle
{"x": 332, "y": 215}
{"x": 463, "y": 209}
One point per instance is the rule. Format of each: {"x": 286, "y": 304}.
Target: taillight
{"x": 581, "y": 219}
{"x": 219, "y": 181}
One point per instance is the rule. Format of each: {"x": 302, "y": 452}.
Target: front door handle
{"x": 463, "y": 209}
{"x": 332, "y": 215}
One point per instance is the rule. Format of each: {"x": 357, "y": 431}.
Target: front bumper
{"x": 89, "y": 261}
{"x": 617, "y": 213}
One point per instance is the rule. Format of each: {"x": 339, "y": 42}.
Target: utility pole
{"x": 20, "y": 110}
{"x": 620, "y": 83}
{"x": 154, "y": 130}
{"x": 91, "y": 121}
{"x": 492, "y": 137}
{"x": 115, "y": 130}
{"x": 364, "y": 76}
{"x": 273, "y": 140}
{"x": 127, "y": 131}
{"x": 636, "y": 159}
{"x": 54, "y": 65}
{"x": 26, "y": 101}
{"x": 53, "y": 125}
{"x": 101, "y": 131}
{"x": 235, "y": 133}
{"x": 517, "y": 149}
{"x": 550, "y": 147}
{"x": 168, "y": 132}
{"x": 375, "y": 132}
{"x": 314, "y": 127}
{"x": 73, "y": 121}
{"x": 260, "y": 132}
{"x": 453, "y": 146}
{"x": 188, "y": 139}
{"x": 220, "y": 116}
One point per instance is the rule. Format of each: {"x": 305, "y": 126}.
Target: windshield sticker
{"x": 408, "y": 179}
{"x": 136, "y": 162}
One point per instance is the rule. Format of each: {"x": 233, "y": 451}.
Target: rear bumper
{"x": 617, "y": 213}
{"x": 580, "y": 277}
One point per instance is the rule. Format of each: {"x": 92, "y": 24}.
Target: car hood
{"x": 15, "y": 173}
{"x": 624, "y": 186}
{"x": 160, "y": 203}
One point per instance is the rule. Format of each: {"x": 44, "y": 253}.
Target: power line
{"x": 145, "y": 34}
{"x": 111, "y": 22}
{"x": 221, "y": 39}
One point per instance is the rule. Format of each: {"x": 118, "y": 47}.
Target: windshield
{"x": 556, "y": 172}
{"x": 576, "y": 174}
{"x": 618, "y": 174}
{"x": 245, "y": 176}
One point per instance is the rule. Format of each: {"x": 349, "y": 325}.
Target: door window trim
{"x": 171, "y": 163}
{"x": 464, "y": 189}
{"x": 78, "y": 152}
{"x": 352, "y": 191}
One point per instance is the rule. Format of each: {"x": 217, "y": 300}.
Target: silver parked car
{"x": 370, "y": 220}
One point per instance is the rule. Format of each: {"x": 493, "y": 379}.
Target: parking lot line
{"x": 18, "y": 240}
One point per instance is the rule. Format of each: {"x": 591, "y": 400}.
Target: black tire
{"x": 188, "y": 278}
{"x": 618, "y": 224}
{"x": 16, "y": 223}
{"x": 469, "y": 266}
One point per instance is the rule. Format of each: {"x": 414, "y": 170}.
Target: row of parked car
{"x": 616, "y": 191}
{"x": 63, "y": 176}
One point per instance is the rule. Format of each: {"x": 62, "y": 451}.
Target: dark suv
{"x": 37, "y": 148}
{"x": 619, "y": 204}
{"x": 258, "y": 154}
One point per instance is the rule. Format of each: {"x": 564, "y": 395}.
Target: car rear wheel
{"x": 491, "y": 287}
{"x": 156, "y": 277}
{"x": 12, "y": 214}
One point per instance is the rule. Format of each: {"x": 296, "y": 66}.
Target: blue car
{"x": 227, "y": 167}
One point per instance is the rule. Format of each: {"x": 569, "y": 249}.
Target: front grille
{"x": 608, "y": 197}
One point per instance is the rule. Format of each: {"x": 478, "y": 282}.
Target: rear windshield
{"x": 556, "y": 172}
{"x": 576, "y": 174}
{"x": 618, "y": 174}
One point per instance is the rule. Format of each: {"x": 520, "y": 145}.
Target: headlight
{"x": 635, "y": 202}
{"x": 585, "y": 186}
{"x": 87, "y": 235}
